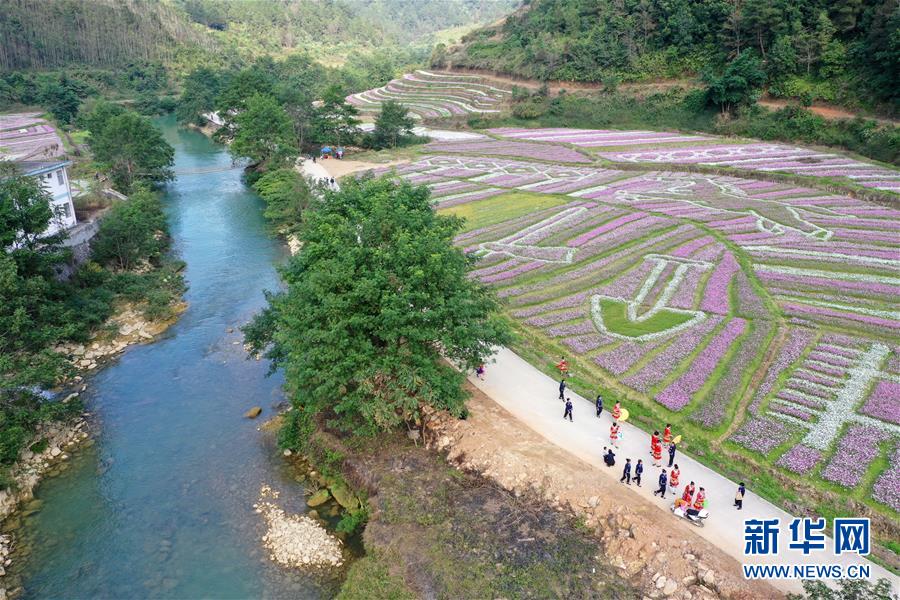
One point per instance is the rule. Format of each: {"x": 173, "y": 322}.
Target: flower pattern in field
{"x": 716, "y": 297}
{"x": 814, "y": 270}
{"x": 686, "y": 149}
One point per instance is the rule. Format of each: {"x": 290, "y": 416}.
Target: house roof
{"x": 39, "y": 167}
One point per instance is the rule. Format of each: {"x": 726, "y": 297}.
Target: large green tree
{"x": 335, "y": 120}
{"x": 740, "y": 83}
{"x": 131, "y": 150}
{"x": 25, "y": 210}
{"x": 376, "y": 298}
{"x": 286, "y": 195}
{"x": 132, "y": 232}
{"x": 198, "y": 96}
{"x": 392, "y": 125}
{"x": 264, "y": 132}
{"x": 29, "y": 318}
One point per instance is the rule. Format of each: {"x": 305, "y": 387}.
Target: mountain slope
{"x": 838, "y": 51}
{"x": 42, "y": 34}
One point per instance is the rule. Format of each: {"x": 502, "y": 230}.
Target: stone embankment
{"x": 56, "y": 443}
{"x": 128, "y": 326}
{"x": 296, "y": 540}
{"x": 662, "y": 557}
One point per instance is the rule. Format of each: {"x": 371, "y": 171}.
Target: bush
{"x": 133, "y": 232}
{"x": 295, "y": 432}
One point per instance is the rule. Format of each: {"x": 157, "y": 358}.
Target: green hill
{"x": 42, "y": 34}
{"x": 817, "y": 49}
{"x": 47, "y": 34}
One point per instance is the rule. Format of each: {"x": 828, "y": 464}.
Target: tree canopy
{"x": 264, "y": 132}
{"x": 836, "y": 51}
{"x": 740, "y": 84}
{"x": 129, "y": 147}
{"x": 375, "y": 297}
{"x": 132, "y": 232}
{"x": 286, "y": 195}
{"x": 392, "y": 124}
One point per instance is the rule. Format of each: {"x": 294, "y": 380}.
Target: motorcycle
{"x": 696, "y": 517}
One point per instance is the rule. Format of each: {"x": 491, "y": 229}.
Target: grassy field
{"x": 498, "y": 209}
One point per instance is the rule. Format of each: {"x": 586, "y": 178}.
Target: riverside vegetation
{"x": 42, "y": 315}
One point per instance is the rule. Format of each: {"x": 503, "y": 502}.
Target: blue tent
{"x": 326, "y": 149}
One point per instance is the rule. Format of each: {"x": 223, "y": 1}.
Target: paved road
{"x": 316, "y": 171}
{"x": 533, "y": 398}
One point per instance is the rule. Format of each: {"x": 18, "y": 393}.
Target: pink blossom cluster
{"x": 672, "y": 355}
{"x": 584, "y": 343}
{"x": 515, "y": 272}
{"x": 855, "y": 452}
{"x": 606, "y": 227}
{"x": 680, "y": 392}
{"x": 715, "y": 299}
{"x": 887, "y": 487}
{"x": 762, "y": 434}
{"x": 844, "y": 315}
{"x": 884, "y": 402}
{"x": 553, "y": 318}
{"x": 711, "y": 413}
{"x": 791, "y": 411}
{"x": 622, "y": 357}
{"x": 590, "y": 138}
{"x": 518, "y": 149}
{"x": 800, "y": 459}
{"x": 580, "y": 328}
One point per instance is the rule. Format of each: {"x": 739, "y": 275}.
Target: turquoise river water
{"x": 161, "y": 505}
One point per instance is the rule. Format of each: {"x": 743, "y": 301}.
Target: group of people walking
{"x": 692, "y": 498}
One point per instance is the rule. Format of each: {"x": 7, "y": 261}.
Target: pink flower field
{"x": 680, "y": 289}
{"x": 687, "y": 149}
{"x": 26, "y": 136}
{"x": 430, "y": 95}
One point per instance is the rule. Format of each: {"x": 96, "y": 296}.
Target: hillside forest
{"x": 844, "y": 51}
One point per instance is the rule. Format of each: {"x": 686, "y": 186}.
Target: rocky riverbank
{"x": 52, "y": 445}
{"x": 296, "y": 540}
{"x": 128, "y": 326}
{"x": 49, "y": 453}
{"x": 436, "y": 531}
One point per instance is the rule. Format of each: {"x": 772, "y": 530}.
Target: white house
{"x": 55, "y": 180}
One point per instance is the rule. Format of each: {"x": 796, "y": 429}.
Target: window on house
{"x": 59, "y": 177}
{"x": 68, "y": 209}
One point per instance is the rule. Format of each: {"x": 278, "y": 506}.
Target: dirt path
{"x": 531, "y": 397}
{"x": 823, "y": 110}
{"x": 338, "y": 168}
{"x": 747, "y": 398}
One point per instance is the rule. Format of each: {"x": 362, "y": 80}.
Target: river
{"x": 161, "y": 505}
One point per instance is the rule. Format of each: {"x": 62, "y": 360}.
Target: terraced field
{"x": 27, "y": 136}
{"x": 673, "y": 149}
{"x": 430, "y": 95}
{"x": 761, "y": 315}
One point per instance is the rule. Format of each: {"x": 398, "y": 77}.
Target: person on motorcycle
{"x": 686, "y": 497}
{"x": 699, "y": 503}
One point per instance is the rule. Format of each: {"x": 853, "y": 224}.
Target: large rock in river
{"x": 320, "y": 497}
{"x": 344, "y": 496}
{"x": 253, "y": 412}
